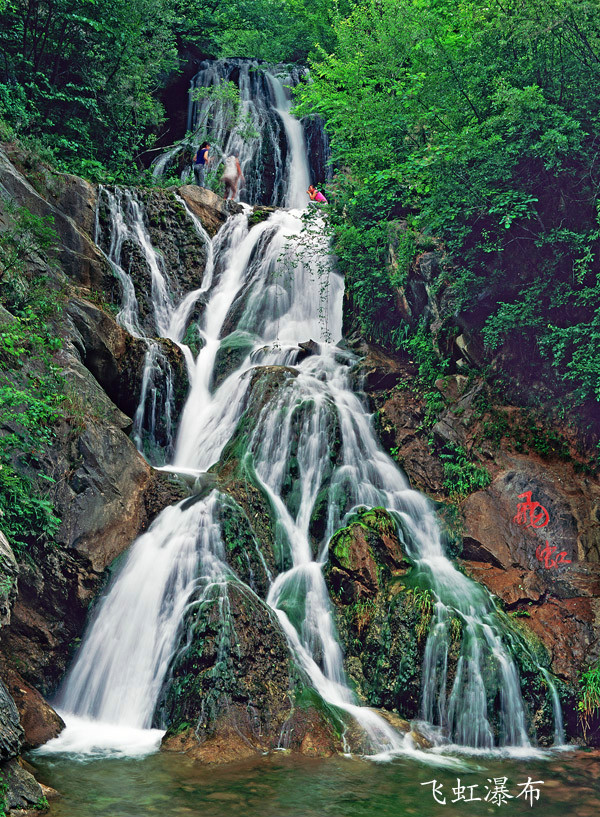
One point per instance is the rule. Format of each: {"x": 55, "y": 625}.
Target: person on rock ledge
{"x": 201, "y": 160}
{"x": 316, "y": 195}
{"x": 232, "y": 176}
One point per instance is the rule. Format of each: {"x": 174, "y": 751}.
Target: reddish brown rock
{"x": 562, "y": 601}
{"x": 206, "y": 205}
{"x": 39, "y": 720}
{"x": 306, "y": 732}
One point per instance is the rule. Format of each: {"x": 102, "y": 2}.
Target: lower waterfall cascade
{"x": 271, "y": 286}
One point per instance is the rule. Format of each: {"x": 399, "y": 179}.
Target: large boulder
{"x": 557, "y": 593}
{"x": 116, "y": 359}
{"x": 382, "y": 628}
{"x": 207, "y": 206}
{"x": 233, "y": 690}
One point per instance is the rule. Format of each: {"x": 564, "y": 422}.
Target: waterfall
{"x": 268, "y": 141}
{"x": 272, "y": 285}
{"x": 125, "y": 241}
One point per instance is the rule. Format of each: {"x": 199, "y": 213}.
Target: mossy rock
{"x": 233, "y": 682}
{"x": 232, "y": 351}
{"x": 260, "y": 214}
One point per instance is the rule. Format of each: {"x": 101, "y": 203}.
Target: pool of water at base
{"x": 279, "y": 785}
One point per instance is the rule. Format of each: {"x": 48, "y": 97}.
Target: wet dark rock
{"x": 175, "y": 237}
{"x": 232, "y": 351}
{"x": 236, "y": 478}
{"x": 383, "y": 632}
{"x": 311, "y": 347}
{"x": 233, "y": 690}
{"x": 317, "y": 147}
{"x": 22, "y": 789}
{"x": 364, "y": 555}
{"x": 11, "y": 731}
{"x": 105, "y": 494}
{"x": 247, "y": 535}
{"x": 384, "y": 611}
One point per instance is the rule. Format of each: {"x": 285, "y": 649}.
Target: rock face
{"x": 11, "y": 732}
{"x": 23, "y": 791}
{"x": 8, "y": 580}
{"x": 38, "y": 719}
{"x": 22, "y": 708}
{"x": 558, "y": 594}
{"x": 557, "y": 603}
{"x": 382, "y": 629}
{"x": 101, "y": 488}
{"x": 233, "y": 691}
{"x": 207, "y": 206}
{"x": 79, "y": 257}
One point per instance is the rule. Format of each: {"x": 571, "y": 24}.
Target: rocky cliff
{"x": 480, "y": 447}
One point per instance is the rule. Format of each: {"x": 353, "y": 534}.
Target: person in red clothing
{"x": 316, "y": 195}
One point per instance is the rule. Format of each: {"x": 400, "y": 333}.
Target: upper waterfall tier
{"x": 261, "y": 132}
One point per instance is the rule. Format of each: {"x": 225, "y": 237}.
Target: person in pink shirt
{"x": 316, "y": 195}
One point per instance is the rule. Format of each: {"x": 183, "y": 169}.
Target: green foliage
{"x": 31, "y": 392}
{"x": 3, "y": 790}
{"x": 361, "y": 245}
{"x": 461, "y": 475}
{"x": 482, "y": 118}
{"x": 422, "y": 602}
{"x": 589, "y": 695}
{"x": 82, "y": 75}
{"x": 83, "y": 78}
{"x": 276, "y": 30}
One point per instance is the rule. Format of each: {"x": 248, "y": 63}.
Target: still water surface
{"x": 283, "y": 786}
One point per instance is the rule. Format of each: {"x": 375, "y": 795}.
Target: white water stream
{"x": 273, "y": 286}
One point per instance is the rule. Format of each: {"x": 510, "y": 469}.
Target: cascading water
{"x": 269, "y": 142}
{"x": 262, "y": 286}
{"x": 126, "y": 233}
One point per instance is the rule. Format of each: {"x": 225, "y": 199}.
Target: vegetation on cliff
{"x": 476, "y": 123}
{"x": 31, "y": 389}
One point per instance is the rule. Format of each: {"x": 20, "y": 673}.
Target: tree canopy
{"x": 478, "y": 120}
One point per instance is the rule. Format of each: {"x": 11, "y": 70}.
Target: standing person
{"x": 232, "y": 175}
{"x": 200, "y": 161}
{"x": 316, "y": 195}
